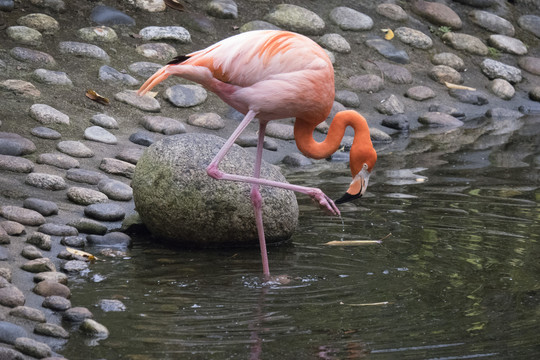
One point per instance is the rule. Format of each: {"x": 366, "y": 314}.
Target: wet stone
{"x": 117, "y": 167}
{"x": 157, "y": 51}
{"x": 469, "y": 97}
{"x": 19, "y": 88}
{"x": 503, "y": 113}
{"x": 116, "y": 190}
{"x": 222, "y": 9}
{"x": 350, "y": 19}
{"x": 495, "y": 69}
{"x": 211, "y": 121}
{"x": 99, "y": 134}
{"x": 74, "y": 241}
{"x": 176, "y": 33}
{"x": 9, "y": 332}
{"x": 105, "y": 212}
{"x": 12, "y": 227}
{"x": 502, "y": 89}
{"x": 465, "y": 42}
{"x": 45, "y": 181}
{"x": 16, "y": 164}
{"x": 492, "y": 22}
{"x": 130, "y": 155}
{"x": 113, "y": 239}
{"x": 390, "y": 106}
{"x": 32, "y": 347}
{"x": 114, "y": 77}
{"x": 89, "y": 226}
{"x": 392, "y": 11}
{"x": 28, "y": 313}
{"x": 280, "y": 131}
{"x": 437, "y": 13}
{"x": 97, "y": 34}
{"x": 296, "y": 18}
{"x": 443, "y": 73}
{"x": 185, "y": 95}
{"x": 47, "y": 115}
{"x": 85, "y": 196}
{"x": 75, "y": 266}
{"x": 41, "y": 240}
{"x": 41, "y": 22}
{"x": 388, "y": 50}
{"x": 508, "y": 44}
{"x": 30, "y": 252}
{"x": 51, "y": 276}
{"x": 438, "y": 119}
{"x": 83, "y": 50}
{"x": 15, "y": 145}
{"x": 85, "y": 176}
{"x": 336, "y": 43}
{"x": 144, "y": 103}
{"x": 74, "y": 148}
{"x": 413, "y": 38}
{"x": 45, "y": 133}
{"x": 61, "y": 161}
{"x": 348, "y": 98}
{"x": 58, "y": 230}
{"x": 22, "y": 215}
{"x": 57, "y": 303}
{"x": 144, "y": 68}
{"x": 164, "y": 125}
{"x": 33, "y": 58}
{"x": 297, "y": 160}
{"x": 108, "y": 305}
{"x": 368, "y": 83}
{"x": 44, "y": 207}
{"x": 10, "y": 295}
{"x": 39, "y": 265}
{"x": 77, "y": 314}
{"x": 52, "y": 330}
{"x": 450, "y": 60}
{"x": 52, "y": 288}
{"x": 397, "y": 122}
{"x": 106, "y": 15}
{"x": 447, "y": 110}
{"x": 530, "y": 23}
{"x": 94, "y": 328}
{"x": 420, "y": 93}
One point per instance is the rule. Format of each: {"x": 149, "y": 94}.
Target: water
{"x": 458, "y": 278}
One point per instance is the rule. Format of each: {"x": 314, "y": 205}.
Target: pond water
{"x": 457, "y": 275}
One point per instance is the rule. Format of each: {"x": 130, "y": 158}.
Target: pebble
{"x": 98, "y": 34}
{"x": 105, "y": 121}
{"x": 378, "y": 135}
{"x": 145, "y": 103}
{"x": 157, "y": 51}
{"x": 75, "y": 149}
{"x": 10, "y": 332}
{"x": 4, "y": 240}
{"x": 74, "y": 241}
{"x": 223, "y": 9}
{"x": 7, "y": 353}
{"x": 57, "y": 303}
{"x": 252, "y": 141}
{"x": 390, "y": 106}
{"x": 85, "y": 196}
{"x": 85, "y": 176}
{"x": 44, "y": 207}
{"x": 296, "y": 18}
{"x": 144, "y": 68}
{"x": 41, "y": 240}
{"x": 32, "y": 347}
{"x": 51, "y": 276}
{"x": 350, "y": 19}
{"x": 466, "y": 43}
{"x": 39, "y": 265}
{"x": 83, "y": 50}
{"x": 53, "y": 330}
{"x": 114, "y": 77}
{"x": 19, "y": 88}
{"x": 388, "y": 50}
{"x": 348, "y": 98}
{"x": 420, "y": 93}
{"x": 105, "y": 212}
{"x": 469, "y": 97}
{"x": 530, "y": 23}
{"x": 258, "y": 25}
{"x": 367, "y": 83}
{"x": 296, "y": 160}
{"x": 164, "y": 125}
{"x": 52, "y": 288}
{"x": 10, "y": 295}
{"x": 437, "y": 13}
{"x": 492, "y": 22}
{"x": 530, "y": 64}
{"x": 438, "y": 119}
{"x": 393, "y": 73}
{"x": 392, "y": 12}
{"x": 51, "y": 77}
{"x": 58, "y": 229}
{"x": 495, "y": 69}
{"x": 443, "y": 74}
{"x": 77, "y": 314}
{"x": 33, "y": 58}
{"x": 508, "y": 44}
{"x": 108, "y": 305}
{"x": 24, "y": 35}
{"x": 12, "y": 228}
{"x": 45, "y": 133}
{"x": 414, "y": 38}
{"x": 141, "y": 138}
{"x": 151, "y": 5}
{"x": 534, "y": 93}
{"x": 211, "y": 121}
{"x": 89, "y": 226}
{"x": 93, "y": 328}
{"x": 176, "y": 33}
{"x": 106, "y": 15}
{"x": 113, "y": 239}
{"x": 61, "y": 161}
{"x": 55, "y": 5}
{"x": 75, "y": 266}
{"x": 21, "y": 215}
{"x": 31, "y": 252}
{"x": 117, "y": 167}
{"x": 15, "y": 145}
{"x": 130, "y": 155}
{"x": 28, "y": 313}
{"x": 99, "y": 134}
{"x": 503, "y": 113}
{"x": 16, "y": 164}
{"x": 185, "y": 95}
{"x": 47, "y": 115}
{"x": 43, "y": 23}
{"x": 116, "y": 190}
{"x": 45, "y": 181}
{"x": 502, "y": 88}
{"x": 280, "y": 131}
{"x": 335, "y": 42}
{"x": 397, "y": 122}
{"x": 449, "y": 59}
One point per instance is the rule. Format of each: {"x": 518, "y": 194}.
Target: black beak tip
{"x": 347, "y": 197}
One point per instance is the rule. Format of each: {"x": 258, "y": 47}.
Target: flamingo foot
{"x": 324, "y": 201}
{"x": 277, "y": 280}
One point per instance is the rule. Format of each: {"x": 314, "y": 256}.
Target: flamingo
{"x": 272, "y": 75}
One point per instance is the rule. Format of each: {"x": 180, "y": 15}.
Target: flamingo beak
{"x": 155, "y": 79}
{"x": 357, "y": 188}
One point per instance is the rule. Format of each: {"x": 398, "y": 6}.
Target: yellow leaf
{"x": 353, "y": 242}
{"x": 81, "y": 253}
{"x": 455, "y": 86}
{"x": 389, "y": 34}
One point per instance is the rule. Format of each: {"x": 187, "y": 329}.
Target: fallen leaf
{"x": 81, "y": 253}
{"x": 92, "y": 95}
{"x": 176, "y": 5}
{"x": 389, "y": 34}
{"x": 460, "y": 87}
{"x": 353, "y": 242}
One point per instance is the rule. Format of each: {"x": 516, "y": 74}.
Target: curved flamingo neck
{"x": 303, "y": 134}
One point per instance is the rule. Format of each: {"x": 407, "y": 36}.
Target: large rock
{"x": 179, "y": 202}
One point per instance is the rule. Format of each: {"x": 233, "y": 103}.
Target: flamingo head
{"x": 362, "y": 163}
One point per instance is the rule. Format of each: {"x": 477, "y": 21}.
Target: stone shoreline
{"x": 66, "y": 160}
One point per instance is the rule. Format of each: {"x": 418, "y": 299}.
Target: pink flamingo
{"x": 272, "y": 75}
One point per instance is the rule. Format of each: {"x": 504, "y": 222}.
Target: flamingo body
{"x": 272, "y": 75}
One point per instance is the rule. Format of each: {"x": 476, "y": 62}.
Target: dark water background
{"x": 458, "y": 278}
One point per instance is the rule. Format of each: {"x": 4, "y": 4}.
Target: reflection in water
{"x": 458, "y": 278}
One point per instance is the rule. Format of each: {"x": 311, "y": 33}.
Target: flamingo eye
{"x": 365, "y": 166}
